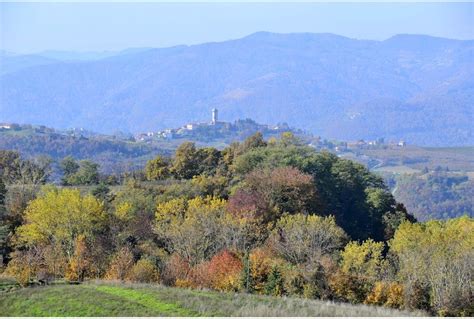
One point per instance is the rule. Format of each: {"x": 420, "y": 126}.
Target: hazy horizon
{"x": 97, "y": 27}
{"x": 113, "y": 52}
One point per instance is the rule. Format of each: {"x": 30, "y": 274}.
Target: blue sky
{"x": 34, "y": 27}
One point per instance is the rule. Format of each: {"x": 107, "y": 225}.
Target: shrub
{"x": 23, "y": 267}
{"x": 386, "y": 294}
{"x": 294, "y": 281}
{"x": 260, "y": 266}
{"x": 348, "y": 288}
{"x": 184, "y": 283}
{"x": 121, "y": 265}
{"x": 224, "y": 270}
{"x": 144, "y": 271}
{"x": 176, "y": 270}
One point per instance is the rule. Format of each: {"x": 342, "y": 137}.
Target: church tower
{"x": 214, "y": 116}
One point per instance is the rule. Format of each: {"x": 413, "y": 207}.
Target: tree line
{"x": 268, "y": 217}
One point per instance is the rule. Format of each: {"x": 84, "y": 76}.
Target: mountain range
{"x": 413, "y": 87}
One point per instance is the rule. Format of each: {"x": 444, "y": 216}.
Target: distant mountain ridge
{"x": 412, "y": 87}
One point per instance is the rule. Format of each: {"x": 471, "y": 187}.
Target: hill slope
{"x": 148, "y": 300}
{"x": 411, "y": 87}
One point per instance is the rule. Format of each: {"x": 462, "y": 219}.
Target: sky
{"x": 35, "y": 27}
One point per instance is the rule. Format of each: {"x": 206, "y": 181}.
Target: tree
{"x": 185, "y": 163}
{"x": 15, "y": 170}
{"x": 306, "y": 238}
{"x": 275, "y": 283}
{"x": 246, "y": 279}
{"x": 195, "y": 229}
{"x": 224, "y": 271}
{"x": 208, "y": 158}
{"x": 102, "y": 192}
{"x": 339, "y": 184}
{"x": 289, "y": 139}
{"x": 252, "y": 142}
{"x": 437, "y": 256}
{"x": 364, "y": 260}
{"x": 69, "y": 167}
{"x": 59, "y": 216}
{"x": 157, "y": 169}
{"x": 79, "y": 265}
{"x": 282, "y": 190}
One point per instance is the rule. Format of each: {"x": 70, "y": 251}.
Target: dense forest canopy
{"x": 439, "y": 194}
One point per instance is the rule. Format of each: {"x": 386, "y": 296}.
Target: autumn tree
{"x": 282, "y": 190}
{"x": 306, "y": 238}
{"x": 59, "y": 217}
{"x": 80, "y": 263}
{"x": 195, "y": 229}
{"x": 223, "y": 271}
{"x": 438, "y": 255}
{"x": 121, "y": 264}
{"x": 144, "y": 270}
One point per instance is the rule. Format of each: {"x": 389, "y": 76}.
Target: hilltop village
{"x": 216, "y": 130}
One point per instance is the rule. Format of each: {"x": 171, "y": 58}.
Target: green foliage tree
{"x": 15, "y": 170}
{"x": 185, "y": 162}
{"x": 157, "y": 169}
{"x": 69, "y": 167}
{"x": 252, "y": 142}
{"x": 246, "y": 278}
{"x": 275, "y": 283}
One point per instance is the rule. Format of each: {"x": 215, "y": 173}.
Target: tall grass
{"x": 124, "y": 299}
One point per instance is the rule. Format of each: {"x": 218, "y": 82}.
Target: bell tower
{"x": 214, "y": 116}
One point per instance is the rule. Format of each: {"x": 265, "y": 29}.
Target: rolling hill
{"x": 411, "y": 87}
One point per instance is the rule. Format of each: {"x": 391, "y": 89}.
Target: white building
{"x": 214, "y": 116}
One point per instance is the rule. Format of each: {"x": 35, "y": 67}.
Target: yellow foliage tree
{"x": 438, "y": 255}
{"x": 364, "y": 260}
{"x": 59, "y": 216}
{"x": 386, "y": 294}
{"x": 196, "y": 229}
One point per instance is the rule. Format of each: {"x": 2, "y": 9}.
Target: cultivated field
{"x": 114, "y": 299}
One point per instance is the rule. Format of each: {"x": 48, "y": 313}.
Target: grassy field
{"x": 118, "y": 299}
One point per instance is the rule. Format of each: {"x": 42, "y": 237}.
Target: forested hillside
{"x": 267, "y": 217}
{"x": 436, "y": 195}
{"x": 411, "y": 87}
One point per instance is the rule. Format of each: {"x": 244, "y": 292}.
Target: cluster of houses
{"x": 362, "y": 144}
{"x": 213, "y": 126}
